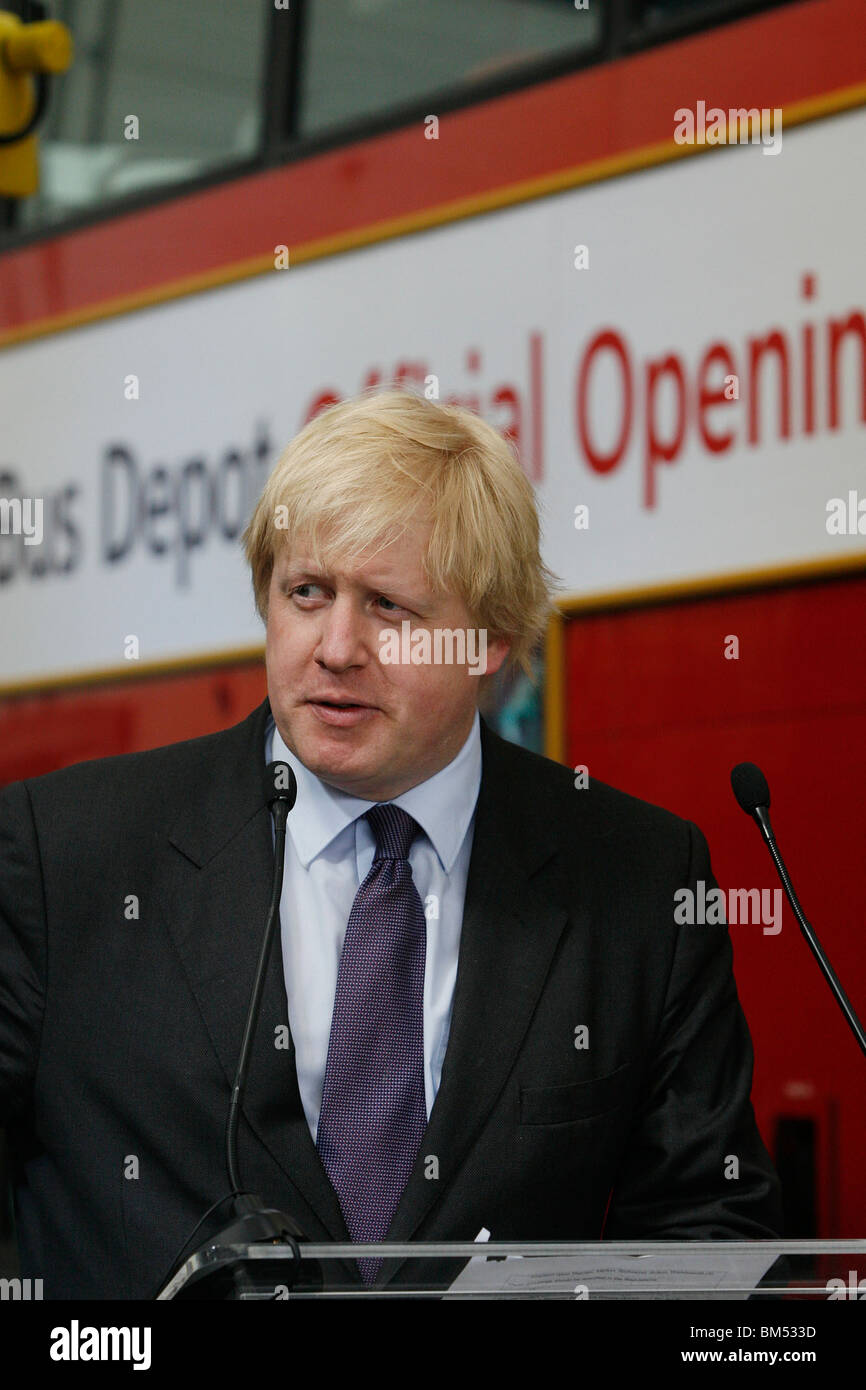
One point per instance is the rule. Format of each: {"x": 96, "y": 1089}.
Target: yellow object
{"x": 24, "y": 49}
{"x": 42, "y": 47}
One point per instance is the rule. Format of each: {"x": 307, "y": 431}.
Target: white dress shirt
{"x": 329, "y": 852}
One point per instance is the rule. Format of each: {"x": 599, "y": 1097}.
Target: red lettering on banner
{"x": 607, "y": 339}
{"x": 837, "y": 329}
{"x": 807, "y": 289}
{"x": 320, "y": 403}
{"x": 657, "y": 450}
{"x": 776, "y": 342}
{"x": 785, "y": 395}
{"x": 794, "y": 356}
{"x": 507, "y": 396}
{"x": 707, "y": 397}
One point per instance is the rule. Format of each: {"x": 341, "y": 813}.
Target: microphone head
{"x": 280, "y": 784}
{"x": 750, "y": 787}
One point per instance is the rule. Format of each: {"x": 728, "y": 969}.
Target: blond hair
{"x": 362, "y": 470}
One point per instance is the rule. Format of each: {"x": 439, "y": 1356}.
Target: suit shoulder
{"x": 608, "y": 808}
{"x": 167, "y": 767}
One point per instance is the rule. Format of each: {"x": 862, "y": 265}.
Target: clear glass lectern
{"x": 780, "y": 1270}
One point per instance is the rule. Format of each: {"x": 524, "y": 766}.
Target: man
{"x": 481, "y": 1013}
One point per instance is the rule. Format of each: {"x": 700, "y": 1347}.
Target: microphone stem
{"x": 814, "y": 944}
{"x": 280, "y": 813}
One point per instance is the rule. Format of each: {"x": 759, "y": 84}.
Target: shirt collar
{"x": 443, "y": 805}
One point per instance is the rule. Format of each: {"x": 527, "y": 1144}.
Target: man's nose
{"x": 342, "y": 635}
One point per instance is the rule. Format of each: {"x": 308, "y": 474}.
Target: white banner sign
{"x": 680, "y": 355}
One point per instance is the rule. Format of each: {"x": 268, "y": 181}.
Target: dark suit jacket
{"x": 119, "y": 1037}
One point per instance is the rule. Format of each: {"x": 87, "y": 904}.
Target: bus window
{"x": 156, "y": 94}
{"x": 366, "y": 57}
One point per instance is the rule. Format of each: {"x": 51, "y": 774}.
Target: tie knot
{"x": 394, "y": 830}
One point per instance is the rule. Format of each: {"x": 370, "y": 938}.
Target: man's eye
{"x": 303, "y": 591}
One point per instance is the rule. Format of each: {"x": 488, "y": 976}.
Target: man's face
{"x": 323, "y": 647}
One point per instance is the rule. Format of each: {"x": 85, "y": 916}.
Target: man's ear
{"x": 497, "y": 650}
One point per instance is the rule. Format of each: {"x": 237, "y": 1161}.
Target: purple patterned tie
{"x": 374, "y": 1111}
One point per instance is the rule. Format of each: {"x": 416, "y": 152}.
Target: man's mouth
{"x": 340, "y": 704}
{"x": 342, "y": 713}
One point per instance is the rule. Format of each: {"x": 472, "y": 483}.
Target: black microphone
{"x": 281, "y": 791}
{"x": 254, "y": 1222}
{"x": 753, "y": 794}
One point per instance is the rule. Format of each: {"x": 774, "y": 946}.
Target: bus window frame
{"x": 622, "y": 35}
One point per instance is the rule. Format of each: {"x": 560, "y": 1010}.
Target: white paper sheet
{"x": 708, "y": 1272}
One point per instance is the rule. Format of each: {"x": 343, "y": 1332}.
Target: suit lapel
{"x": 217, "y": 896}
